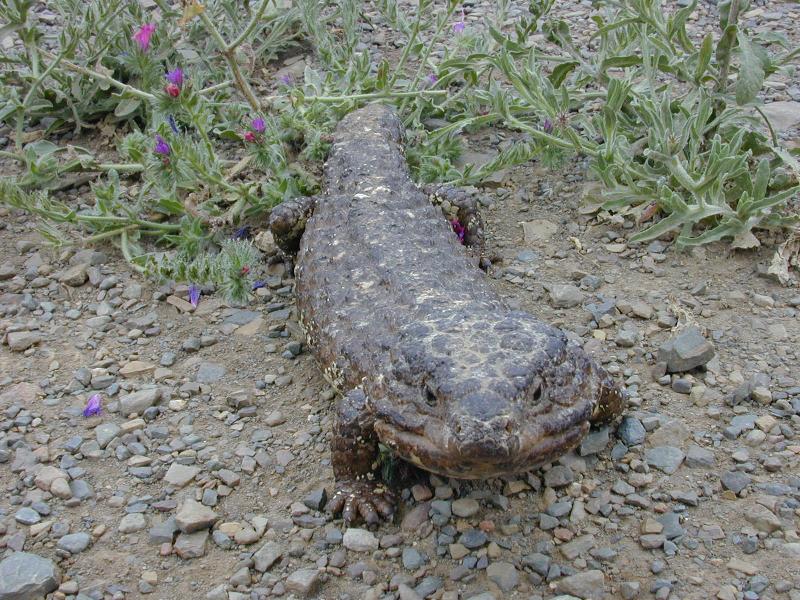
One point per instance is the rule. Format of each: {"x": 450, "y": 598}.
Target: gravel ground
{"x": 204, "y": 473}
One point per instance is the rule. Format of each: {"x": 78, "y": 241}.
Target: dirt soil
{"x": 695, "y": 494}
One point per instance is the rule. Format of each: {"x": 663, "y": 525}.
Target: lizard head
{"x": 476, "y": 397}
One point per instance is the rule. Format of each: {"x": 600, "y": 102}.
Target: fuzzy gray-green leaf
{"x": 751, "y": 72}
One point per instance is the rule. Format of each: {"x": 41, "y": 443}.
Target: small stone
{"x": 105, "y": 433}
{"x": 74, "y": 543}
{"x": 316, "y": 499}
{"x": 504, "y": 574}
{"x": 473, "y": 539}
{"x": 629, "y": 590}
{"x": 46, "y": 476}
{"x": 587, "y": 585}
{"x": 179, "y": 475}
{"x": 465, "y": 507}
{"x": 558, "y": 476}
{"x": 412, "y": 559}
{"x": 698, "y": 457}
{"x": 565, "y": 296}
{"x": 686, "y": 351}
{"x": 193, "y": 516}
{"x": 138, "y": 402}
{"x": 132, "y": 523}
{"x": 359, "y": 540}
{"x": 266, "y": 556}
{"x": 762, "y": 519}
{"x": 594, "y": 442}
{"x": 228, "y": 477}
{"x": 631, "y": 431}
{"x": 735, "y": 481}
{"x": 665, "y": 458}
{"x": 737, "y": 564}
{"x": 303, "y": 582}
{"x": 580, "y": 545}
{"x": 191, "y": 545}
{"x": 19, "y": 341}
{"x": 209, "y": 372}
{"x": 26, "y": 576}
{"x": 136, "y": 368}
{"x": 27, "y": 516}
{"x": 60, "y": 488}
{"x": 74, "y": 276}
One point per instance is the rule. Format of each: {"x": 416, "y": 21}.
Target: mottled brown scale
{"x": 430, "y": 360}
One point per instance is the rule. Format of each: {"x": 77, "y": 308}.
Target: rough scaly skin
{"x": 430, "y": 360}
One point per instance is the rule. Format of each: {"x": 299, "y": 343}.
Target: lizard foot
{"x": 370, "y": 500}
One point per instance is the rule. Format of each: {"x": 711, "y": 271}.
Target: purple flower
{"x": 259, "y": 283}
{"x": 432, "y": 79}
{"x": 286, "y": 79}
{"x": 175, "y": 76}
{"x": 547, "y": 126}
{"x": 243, "y": 233}
{"x": 458, "y": 229}
{"x": 93, "y": 406}
{"x": 172, "y": 124}
{"x": 162, "y": 147}
{"x": 194, "y": 295}
{"x": 142, "y": 37}
{"x": 459, "y": 26}
{"x": 259, "y": 125}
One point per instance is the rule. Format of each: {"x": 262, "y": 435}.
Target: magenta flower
{"x": 162, "y": 147}
{"x": 93, "y": 406}
{"x": 249, "y": 136}
{"x": 142, "y": 37}
{"x": 194, "y": 295}
{"x": 258, "y": 125}
{"x": 458, "y": 229}
{"x": 175, "y": 76}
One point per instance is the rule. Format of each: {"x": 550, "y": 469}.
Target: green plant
{"x": 177, "y": 89}
{"x": 205, "y": 145}
{"x": 665, "y": 128}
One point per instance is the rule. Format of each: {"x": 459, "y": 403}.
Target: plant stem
{"x": 126, "y": 251}
{"x": 229, "y": 54}
{"x": 124, "y": 87}
{"x": 250, "y": 26}
{"x": 12, "y": 155}
{"x": 435, "y": 38}
{"x": 108, "y": 234}
{"x": 733, "y": 20}
{"x": 368, "y": 96}
{"x": 407, "y": 48}
{"x": 214, "y": 88}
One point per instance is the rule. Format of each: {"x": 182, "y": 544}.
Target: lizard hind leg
{"x": 287, "y": 222}
{"x": 463, "y": 215}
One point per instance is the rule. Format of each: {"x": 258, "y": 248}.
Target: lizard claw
{"x": 369, "y": 500}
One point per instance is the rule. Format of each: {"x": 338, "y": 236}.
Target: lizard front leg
{"x": 354, "y": 458}
{"x": 287, "y": 221}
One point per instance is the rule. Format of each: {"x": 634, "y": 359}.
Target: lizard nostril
{"x": 537, "y": 394}
{"x": 430, "y": 398}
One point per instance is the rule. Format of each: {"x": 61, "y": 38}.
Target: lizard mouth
{"x": 435, "y": 449}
